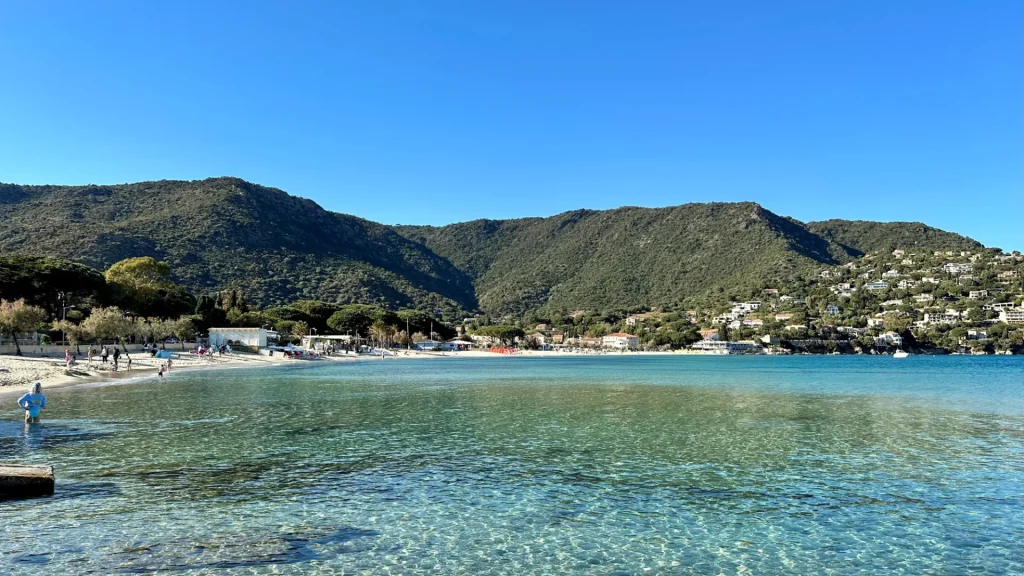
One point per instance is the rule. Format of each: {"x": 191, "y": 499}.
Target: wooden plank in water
{"x": 25, "y": 481}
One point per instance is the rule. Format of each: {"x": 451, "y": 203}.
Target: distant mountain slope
{"x": 626, "y": 257}
{"x": 225, "y": 232}
{"x": 861, "y": 236}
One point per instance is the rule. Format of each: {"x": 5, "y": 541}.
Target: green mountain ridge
{"x": 226, "y": 232}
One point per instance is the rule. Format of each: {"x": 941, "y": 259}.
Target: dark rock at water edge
{"x": 17, "y": 481}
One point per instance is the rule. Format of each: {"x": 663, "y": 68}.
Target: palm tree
{"x": 378, "y": 332}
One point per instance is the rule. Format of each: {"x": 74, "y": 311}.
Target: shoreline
{"x": 53, "y": 375}
{"x": 89, "y": 376}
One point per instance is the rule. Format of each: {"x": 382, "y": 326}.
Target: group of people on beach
{"x": 105, "y": 354}
{"x": 211, "y": 350}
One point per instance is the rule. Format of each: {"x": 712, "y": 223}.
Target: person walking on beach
{"x": 33, "y": 403}
{"x": 129, "y": 361}
{"x": 104, "y": 353}
{"x": 91, "y": 350}
{"x": 117, "y": 356}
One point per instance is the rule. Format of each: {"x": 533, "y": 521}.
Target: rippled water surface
{"x": 614, "y": 465}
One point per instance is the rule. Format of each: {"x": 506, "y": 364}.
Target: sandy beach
{"x": 18, "y": 372}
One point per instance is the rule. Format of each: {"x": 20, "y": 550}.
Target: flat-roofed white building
{"x": 255, "y": 337}
{"x": 621, "y": 340}
{"x": 1012, "y": 316}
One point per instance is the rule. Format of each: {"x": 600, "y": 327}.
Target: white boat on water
{"x": 900, "y": 354}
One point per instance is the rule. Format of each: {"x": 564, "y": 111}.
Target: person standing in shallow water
{"x": 33, "y": 403}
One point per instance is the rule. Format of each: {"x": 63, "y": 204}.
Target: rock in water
{"x": 25, "y": 481}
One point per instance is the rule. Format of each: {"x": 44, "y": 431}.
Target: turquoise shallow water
{"x": 612, "y": 465}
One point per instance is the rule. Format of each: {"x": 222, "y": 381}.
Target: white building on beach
{"x": 255, "y": 337}
{"x": 621, "y": 340}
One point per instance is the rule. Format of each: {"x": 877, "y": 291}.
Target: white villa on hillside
{"x": 947, "y": 317}
{"x": 1012, "y": 316}
{"x": 955, "y": 268}
{"x": 889, "y": 339}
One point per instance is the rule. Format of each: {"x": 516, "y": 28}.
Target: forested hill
{"x": 225, "y": 232}
{"x": 631, "y": 257}
{"x": 861, "y": 236}
{"x": 276, "y": 248}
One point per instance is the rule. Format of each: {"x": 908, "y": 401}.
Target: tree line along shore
{"x": 931, "y": 301}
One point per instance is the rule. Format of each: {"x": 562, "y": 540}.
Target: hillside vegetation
{"x": 859, "y": 237}
{"x": 225, "y": 233}
{"x": 632, "y": 258}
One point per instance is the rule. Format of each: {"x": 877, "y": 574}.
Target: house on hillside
{"x": 889, "y": 339}
{"x": 977, "y": 294}
{"x": 957, "y": 268}
{"x": 1012, "y": 316}
{"x": 832, "y": 309}
{"x": 621, "y": 340}
{"x": 634, "y": 319}
{"x": 876, "y": 285}
{"x": 947, "y": 317}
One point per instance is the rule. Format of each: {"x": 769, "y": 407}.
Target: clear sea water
{"x": 609, "y": 465}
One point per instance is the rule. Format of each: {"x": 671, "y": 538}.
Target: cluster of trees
{"x": 111, "y": 324}
{"x": 135, "y": 299}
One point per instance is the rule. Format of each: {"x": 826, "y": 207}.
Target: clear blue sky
{"x": 436, "y": 112}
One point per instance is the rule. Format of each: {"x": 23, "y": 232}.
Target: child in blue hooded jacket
{"x": 33, "y": 403}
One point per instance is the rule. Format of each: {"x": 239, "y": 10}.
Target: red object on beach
{"x": 504, "y": 350}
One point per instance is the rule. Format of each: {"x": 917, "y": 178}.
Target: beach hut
{"x": 457, "y": 345}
